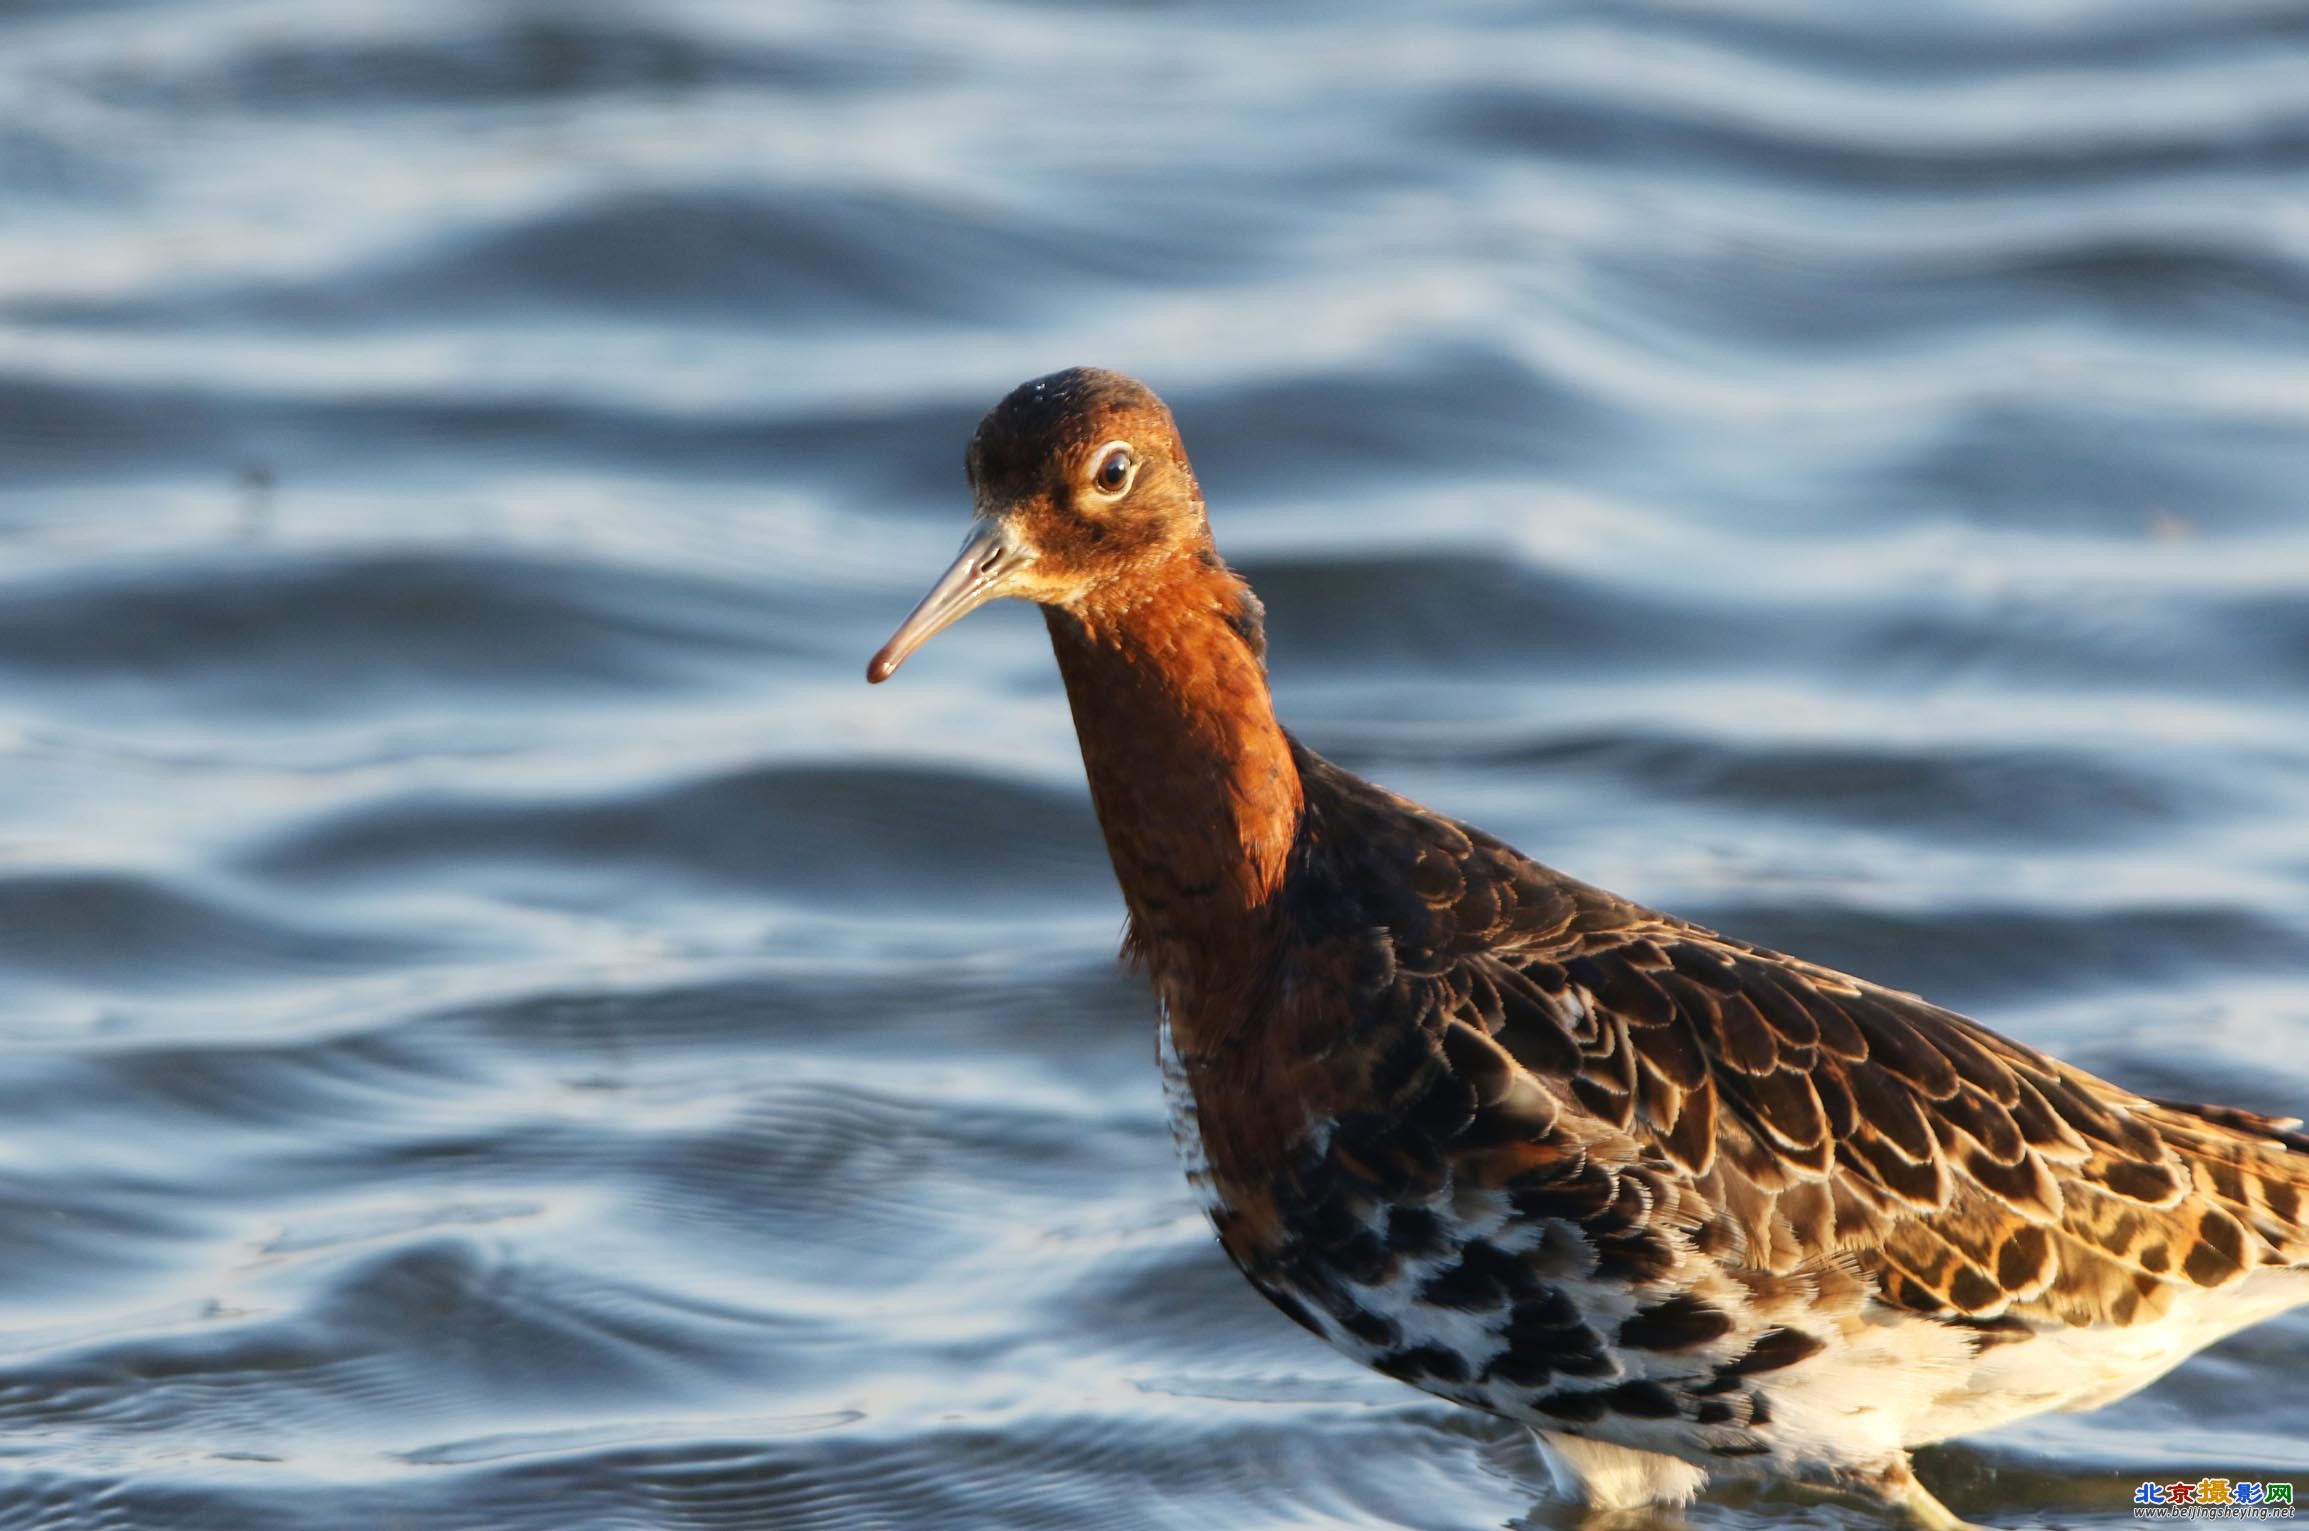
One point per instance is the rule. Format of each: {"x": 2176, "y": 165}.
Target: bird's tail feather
{"x": 2255, "y": 1166}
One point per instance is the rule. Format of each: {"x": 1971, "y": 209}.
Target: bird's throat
{"x": 1192, "y": 777}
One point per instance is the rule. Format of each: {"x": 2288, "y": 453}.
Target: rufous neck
{"x": 1192, "y": 777}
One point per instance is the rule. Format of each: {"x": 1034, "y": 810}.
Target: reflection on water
{"x": 505, "y": 1029}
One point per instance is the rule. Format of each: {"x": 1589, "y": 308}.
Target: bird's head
{"x": 1081, "y": 487}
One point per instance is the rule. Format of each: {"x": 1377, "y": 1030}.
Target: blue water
{"x": 504, "y": 1029}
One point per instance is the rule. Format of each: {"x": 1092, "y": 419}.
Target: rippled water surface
{"x": 504, "y": 1029}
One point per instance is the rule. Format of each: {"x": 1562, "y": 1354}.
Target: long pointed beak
{"x": 980, "y": 572}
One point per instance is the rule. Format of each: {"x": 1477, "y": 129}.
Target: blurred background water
{"x": 502, "y": 1027}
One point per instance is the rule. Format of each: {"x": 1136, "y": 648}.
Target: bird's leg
{"x": 1894, "y": 1486}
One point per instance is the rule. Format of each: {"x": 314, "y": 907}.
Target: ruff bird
{"x": 1688, "y": 1208}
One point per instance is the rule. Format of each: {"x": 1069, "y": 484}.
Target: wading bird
{"x": 1686, "y": 1207}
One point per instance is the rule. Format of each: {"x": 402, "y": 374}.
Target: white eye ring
{"x": 1104, "y": 458}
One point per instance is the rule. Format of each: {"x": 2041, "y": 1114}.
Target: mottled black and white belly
{"x": 1186, "y": 1122}
{"x": 1474, "y": 1294}
{"x": 1548, "y": 1304}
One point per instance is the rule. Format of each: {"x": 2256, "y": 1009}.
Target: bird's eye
{"x": 1115, "y": 467}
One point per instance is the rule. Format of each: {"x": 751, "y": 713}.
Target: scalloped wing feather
{"x": 1794, "y": 1118}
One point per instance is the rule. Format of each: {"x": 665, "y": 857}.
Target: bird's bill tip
{"x": 977, "y": 575}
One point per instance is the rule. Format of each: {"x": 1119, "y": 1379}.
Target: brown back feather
{"x": 1794, "y": 1119}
